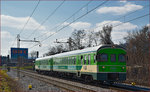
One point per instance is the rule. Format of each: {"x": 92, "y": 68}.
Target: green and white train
{"x": 101, "y": 63}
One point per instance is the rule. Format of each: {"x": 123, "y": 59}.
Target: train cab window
{"x": 85, "y": 59}
{"x": 113, "y": 57}
{"x": 102, "y": 57}
{"x": 89, "y": 59}
{"x": 122, "y": 58}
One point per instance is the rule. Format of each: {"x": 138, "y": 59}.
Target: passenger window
{"x": 85, "y": 59}
{"x": 122, "y": 58}
{"x": 94, "y": 58}
{"x": 81, "y": 60}
{"x": 113, "y": 57}
{"x": 89, "y": 59}
{"x": 74, "y": 60}
{"x": 66, "y": 60}
{"x": 70, "y": 60}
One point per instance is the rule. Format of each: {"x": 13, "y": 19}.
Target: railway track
{"x": 64, "y": 84}
{"x": 69, "y": 85}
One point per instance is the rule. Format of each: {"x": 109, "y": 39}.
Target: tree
{"x": 138, "y": 55}
{"x": 105, "y": 35}
{"x": 91, "y": 38}
{"x": 70, "y": 43}
{"x": 55, "y": 50}
{"x": 77, "y": 36}
{"x": 138, "y": 46}
{"x": 33, "y": 54}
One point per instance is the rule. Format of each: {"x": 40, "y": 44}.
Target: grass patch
{"x": 24, "y": 67}
{"x": 27, "y": 67}
{"x": 7, "y": 84}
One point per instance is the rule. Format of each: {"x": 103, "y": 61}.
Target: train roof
{"x": 75, "y": 52}
{"x": 70, "y": 53}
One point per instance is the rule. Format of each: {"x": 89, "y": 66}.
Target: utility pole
{"x": 18, "y": 46}
{"x": 18, "y": 64}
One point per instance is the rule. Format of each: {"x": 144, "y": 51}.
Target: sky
{"x": 15, "y": 14}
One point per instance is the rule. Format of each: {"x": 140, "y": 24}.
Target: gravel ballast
{"x": 37, "y": 86}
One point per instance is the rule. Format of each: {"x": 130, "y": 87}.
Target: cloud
{"x": 19, "y": 22}
{"x": 5, "y": 35}
{"x": 118, "y": 36}
{"x": 121, "y": 26}
{"x": 123, "y": 1}
{"x": 65, "y": 24}
{"x": 6, "y": 41}
{"x": 78, "y": 25}
{"x": 119, "y": 10}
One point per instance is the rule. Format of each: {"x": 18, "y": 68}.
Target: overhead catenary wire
{"x": 132, "y": 19}
{"x": 50, "y": 16}
{"x": 122, "y": 23}
{"x": 121, "y": 17}
{"x": 30, "y": 17}
{"x": 65, "y": 20}
{"x": 26, "y": 22}
{"x": 81, "y": 9}
{"x": 73, "y": 21}
{"x": 46, "y": 19}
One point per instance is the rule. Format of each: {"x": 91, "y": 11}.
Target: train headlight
{"x": 123, "y": 68}
{"x": 103, "y": 67}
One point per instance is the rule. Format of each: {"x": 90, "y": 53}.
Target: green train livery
{"x": 100, "y": 63}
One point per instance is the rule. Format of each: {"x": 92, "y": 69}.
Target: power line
{"x": 47, "y": 18}
{"x": 132, "y": 19}
{"x": 122, "y": 23}
{"x": 113, "y": 26}
{"x": 121, "y": 17}
{"x": 73, "y": 21}
{"x": 81, "y": 9}
{"x": 29, "y": 17}
{"x": 26, "y": 21}
{"x": 65, "y": 19}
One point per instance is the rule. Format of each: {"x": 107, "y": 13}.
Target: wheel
{"x": 88, "y": 79}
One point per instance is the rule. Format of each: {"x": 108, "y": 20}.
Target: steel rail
{"x": 65, "y": 84}
{"x": 76, "y": 86}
